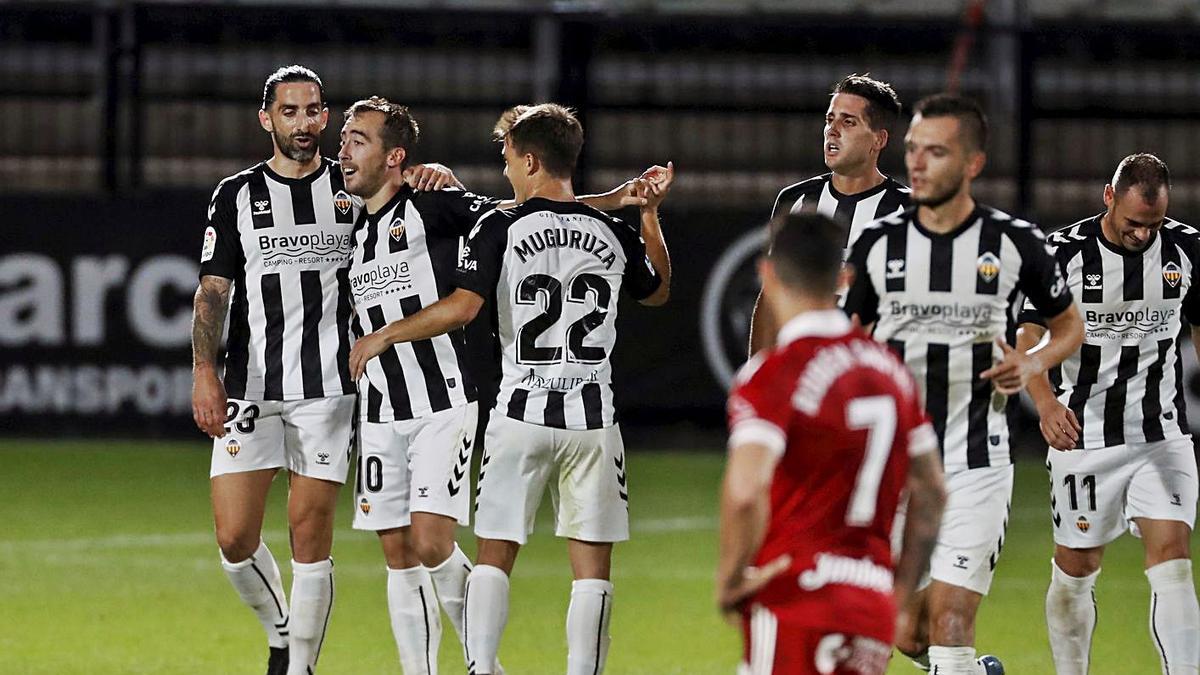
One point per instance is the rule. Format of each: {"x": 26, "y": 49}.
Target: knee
{"x": 910, "y": 646}
{"x": 1078, "y": 564}
{"x": 237, "y": 546}
{"x": 1166, "y": 551}
{"x": 431, "y": 550}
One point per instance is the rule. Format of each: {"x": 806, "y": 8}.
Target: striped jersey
{"x": 856, "y": 211}
{"x": 554, "y": 270}
{"x": 1125, "y": 383}
{"x": 285, "y": 243}
{"x": 403, "y": 261}
{"x": 940, "y": 301}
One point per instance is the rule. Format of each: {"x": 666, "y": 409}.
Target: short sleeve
{"x": 757, "y": 413}
{"x": 221, "y": 251}
{"x": 1040, "y": 277}
{"x": 482, "y": 256}
{"x": 640, "y": 279}
{"x": 453, "y": 211}
{"x": 861, "y": 298}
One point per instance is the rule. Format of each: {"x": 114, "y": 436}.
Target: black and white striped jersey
{"x": 940, "y": 301}
{"x": 1125, "y": 384}
{"x": 554, "y": 271}
{"x": 856, "y": 211}
{"x": 403, "y": 261}
{"x": 285, "y": 243}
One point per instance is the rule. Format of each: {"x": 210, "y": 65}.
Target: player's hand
{"x": 1014, "y": 371}
{"x": 733, "y": 593}
{"x": 654, "y": 183}
{"x": 209, "y": 402}
{"x": 1059, "y": 425}
{"x": 366, "y": 348}
{"x": 429, "y": 177}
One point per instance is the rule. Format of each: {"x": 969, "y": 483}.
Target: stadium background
{"x": 119, "y": 117}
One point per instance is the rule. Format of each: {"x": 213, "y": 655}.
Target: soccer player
{"x": 826, "y": 429}
{"x": 278, "y": 240}
{"x": 1120, "y": 448}
{"x": 553, "y": 268}
{"x": 862, "y": 114}
{"x": 940, "y": 283}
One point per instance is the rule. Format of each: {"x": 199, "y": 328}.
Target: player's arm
{"x": 635, "y": 191}
{"x": 208, "y": 319}
{"x": 453, "y": 311}
{"x": 656, "y": 249}
{"x": 1057, "y": 422}
{"x": 926, "y": 499}
{"x": 429, "y": 177}
{"x": 1017, "y": 368}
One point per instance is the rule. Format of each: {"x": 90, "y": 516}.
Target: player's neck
{"x": 947, "y": 216}
{"x": 382, "y": 196}
{"x": 554, "y": 189}
{"x": 793, "y": 305}
{"x": 289, "y": 168}
{"x": 854, "y": 183}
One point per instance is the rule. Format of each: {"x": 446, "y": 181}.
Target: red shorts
{"x": 775, "y": 647}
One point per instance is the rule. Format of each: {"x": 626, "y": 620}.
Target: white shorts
{"x": 312, "y": 437}
{"x": 585, "y": 469}
{"x": 973, "y": 524}
{"x": 1096, "y": 494}
{"x": 421, "y": 464}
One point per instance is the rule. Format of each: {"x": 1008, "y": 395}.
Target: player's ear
{"x": 264, "y": 120}
{"x": 395, "y": 157}
{"x": 881, "y": 139}
{"x": 324, "y": 117}
{"x": 846, "y": 276}
{"x": 975, "y": 163}
{"x": 1110, "y": 195}
{"x": 532, "y": 164}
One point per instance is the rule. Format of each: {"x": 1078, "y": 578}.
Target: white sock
{"x": 484, "y": 614}
{"x": 1175, "y": 616}
{"x": 256, "y": 580}
{"x": 587, "y": 626}
{"x": 953, "y": 661}
{"x": 312, "y": 603}
{"x": 416, "y": 619}
{"x": 450, "y": 580}
{"x": 1070, "y": 619}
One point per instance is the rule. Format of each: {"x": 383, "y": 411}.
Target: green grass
{"x": 107, "y": 565}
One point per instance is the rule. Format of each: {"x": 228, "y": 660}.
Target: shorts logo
{"x": 422, "y": 492}
{"x": 233, "y": 448}
{"x": 1082, "y": 524}
{"x": 210, "y": 244}
{"x": 988, "y": 266}
{"x": 364, "y": 506}
{"x": 396, "y": 229}
{"x": 323, "y": 458}
{"x": 1172, "y": 274}
{"x": 1092, "y": 282}
{"x": 261, "y": 207}
{"x": 341, "y": 202}
{"x": 895, "y": 269}
{"x": 961, "y": 561}
{"x": 1175, "y": 500}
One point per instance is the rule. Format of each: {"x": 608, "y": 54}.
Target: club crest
{"x": 988, "y": 266}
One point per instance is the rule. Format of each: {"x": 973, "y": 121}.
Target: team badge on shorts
{"x": 341, "y": 202}
{"x": 364, "y": 506}
{"x": 988, "y": 266}
{"x": 396, "y": 229}
{"x": 233, "y": 447}
{"x": 1082, "y": 524}
{"x": 1172, "y": 274}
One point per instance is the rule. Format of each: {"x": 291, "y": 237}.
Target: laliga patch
{"x": 1172, "y": 274}
{"x": 210, "y": 244}
{"x": 233, "y": 448}
{"x": 989, "y": 267}
{"x": 341, "y": 202}
{"x": 396, "y": 229}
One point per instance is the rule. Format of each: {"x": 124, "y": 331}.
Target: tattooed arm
{"x": 208, "y": 319}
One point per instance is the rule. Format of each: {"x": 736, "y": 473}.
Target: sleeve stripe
{"x": 760, "y": 431}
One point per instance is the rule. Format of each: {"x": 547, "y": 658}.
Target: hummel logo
{"x": 262, "y": 207}
{"x": 961, "y": 562}
{"x": 895, "y": 268}
{"x": 1093, "y": 282}
{"x": 323, "y": 458}
{"x": 422, "y": 492}
{"x": 1175, "y": 501}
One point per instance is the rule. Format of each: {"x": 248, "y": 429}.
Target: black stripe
{"x": 275, "y": 598}
{"x": 1180, "y": 409}
{"x": 1114, "y": 400}
{"x": 556, "y": 415}
{"x": 303, "y": 211}
{"x": 593, "y": 405}
{"x": 897, "y": 250}
{"x": 325, "y": 628}
{"x": 987, "y": 280}
{"x": 516, "y": 404}
{"x": 374, "y": 403}
{"x": 1092, "y": 272}
{"x": 844, "y": 212}
{"x": 941, "y": 263}
{"x": 466, "y": 599}
{"x": 337, "y": 184}
{"x": 260, "y": 202}
{"x": 237, "y": 355}
{"x": 977, "y": 409}
{"x": 310, "y": 342}
{"x": 1131, "y": 288}
{"x": 937, "y": 388}
{"x": 897, "y": 347}
{"x": 345, "y": 314}
{"x": 1170, "y": 254}
{"x": 427, "y": 359}
{"x": 372, "y": 237}
{"x": 1152, "y": 395}
{"x": 428, "y": 635}
{"x": 600, "y": 632}
{"x": 1085, "y": 379}
{"x": 1162, "y": 651}
{"x": 393, "y": 372}
{"x": 272, "y": 298}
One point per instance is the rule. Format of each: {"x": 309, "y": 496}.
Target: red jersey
{"x": 844, "y": 415}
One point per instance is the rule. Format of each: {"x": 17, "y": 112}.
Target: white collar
{"x": 820, "y": 323}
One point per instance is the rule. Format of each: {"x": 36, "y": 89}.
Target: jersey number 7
{"x": 876, "y": 414}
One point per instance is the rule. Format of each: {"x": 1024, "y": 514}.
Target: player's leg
{"x": 317, "y": 438}
{"x": 912, "y": 634}
{"x": 412, "y": 607}
{"x": 1162, "y": 505}
{"x": 590, "y": 609}
{"x": 244, "y": 463}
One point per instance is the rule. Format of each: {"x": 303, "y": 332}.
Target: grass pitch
{"x": 108, "y": 565}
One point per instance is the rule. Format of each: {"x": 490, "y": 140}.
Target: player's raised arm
{"x": 208, "y": 319}
{"x": 428, "y": 177}
{"x": 651, "y": 231}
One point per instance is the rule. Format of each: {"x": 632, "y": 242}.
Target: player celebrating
{"x": 825, "y": 431}
{"x": 862, "y": 113}
{"x": 939, "y": 282}
{"x": 278, "y": 236}
{"x": 1135, "y": 275}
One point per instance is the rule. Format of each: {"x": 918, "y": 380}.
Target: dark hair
{"x": 400, "y": 130}
{"x": 549, "y": 131}
{"x": 806, "y": 249}
{"x": 968, "y": 112}
{"x": 293, "y": 73}
{"x": 1145, "y": 171}
{"x": 883, "y": 106}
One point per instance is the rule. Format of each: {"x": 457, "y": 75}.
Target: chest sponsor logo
{"x": 307, "y": 248}
{"x": 392, "y": 277}
{"x": 341, "y": 202}
{"x": 1172, "y": 274}
{"x": 1134, "y": 323}
{"x": 895, "y": 269}
{"x": 988, "y": 266}
{"x": 1091, "y": 282}
{"x": 396, "y": 229}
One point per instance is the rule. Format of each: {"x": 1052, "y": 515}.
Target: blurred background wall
{"x": 120, "y": 117}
